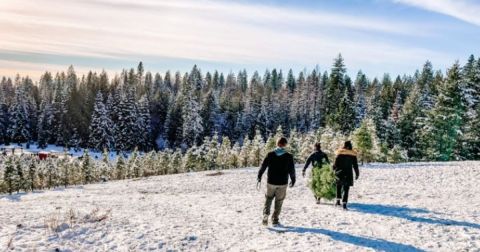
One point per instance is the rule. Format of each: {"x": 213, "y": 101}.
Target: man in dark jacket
{"x": 345, "y": 163}
{"x": 280, "y": 166}
{"x": 316, "y": 158}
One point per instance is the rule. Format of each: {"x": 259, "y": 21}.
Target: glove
{"x": 292, "y": 184}
{"x": 356, "y": 177}
{"x": 303, "y": 173}
{"x": 259, "y": 179}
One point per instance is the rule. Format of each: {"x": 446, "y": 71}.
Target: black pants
{"x": 342, "y": 192}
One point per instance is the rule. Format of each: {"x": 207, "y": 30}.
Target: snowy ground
{"x": 409, "y": 207}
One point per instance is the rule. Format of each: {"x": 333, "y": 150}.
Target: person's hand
{"x": 303, "y": 173}
{"x": 292, "y": 184}
{"x": 259, "y": 179}
{"x": 356, "y": 177}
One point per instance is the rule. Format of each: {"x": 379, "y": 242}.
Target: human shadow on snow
{"x": 408, "y": 214}
{"x": 376, "y": 244}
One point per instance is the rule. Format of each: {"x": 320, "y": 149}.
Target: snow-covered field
{"x": 407, "y": 207}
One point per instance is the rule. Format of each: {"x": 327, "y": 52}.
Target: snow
{"x": 404, "y": 207}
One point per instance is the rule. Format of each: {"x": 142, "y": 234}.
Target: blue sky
{"x": 376, "y": 36}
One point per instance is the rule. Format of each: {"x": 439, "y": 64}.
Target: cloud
{"x": 210, "y": 31}
{"x": 461, "y": 9}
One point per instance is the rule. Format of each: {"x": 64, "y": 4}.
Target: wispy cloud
{"x": 465, "y": 10}
{"x": 217, "y": 31}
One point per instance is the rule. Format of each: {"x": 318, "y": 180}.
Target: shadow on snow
{"x": 376, "y": 244}
{"x": 408, "y": 214}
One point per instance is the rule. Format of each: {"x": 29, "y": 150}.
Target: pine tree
{"x": 87, "y": 168}
{"x": 364, "y": 140}
{"x": 32, "y": 174}
{"x": 120, "y": 168}
{"x": 101, "y": 135}
{"x": 19, "y": 129}
{"x": 126, "y": 137}
{"x": 4, "y": 139}
{"x": 175, "y": 165}
{"x": 9, "y": 175}
{"x": 361, "y": 84}
{"x": 335, "y": 89}
{"x": 144, "y": 123}
{"x": 244, "y": 156}
{"x": 20, "y": 180}
{"x": 445, "y": 120}
{"x": 256, "y": 153}
{"x": 45, "y": 126}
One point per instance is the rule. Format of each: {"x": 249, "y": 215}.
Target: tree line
{"x": 429, "y": 115}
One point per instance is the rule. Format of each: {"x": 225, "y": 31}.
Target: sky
{"x": 375, "y": 36}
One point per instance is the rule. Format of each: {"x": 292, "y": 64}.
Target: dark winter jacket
{"x": 280, "y": 165}
{"x": 345, "y": 163}
{"x": 316, "y": 159}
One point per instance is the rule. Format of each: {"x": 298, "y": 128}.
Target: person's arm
{"x": 264, "y": 166}
{"x": 291, "y": 166}
{"x": 335, "y": 164}
{"x": 355, "y": 167}
{"x": 309, "y": 161}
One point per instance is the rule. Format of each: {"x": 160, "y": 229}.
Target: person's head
{"x": 348, "y": 145}
{"x": 318, "y": 147}
{"x": 282, "y": 142}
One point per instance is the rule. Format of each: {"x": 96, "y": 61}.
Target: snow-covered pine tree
{"x": 392, "y": 134}
{"x": 224, "y": 153}
{"x": 189, "y": 162}
{"x": 4, "y": 138}
{"x": 360, "y": 99}
{"x": 120, "y": 168}
{"x": 208, "y": 114}
{"x": 87, "y": 168}
{"x": 144, "y": 123}
{"x": 101, "y": 135}
{"x": 9, "y": 175}
{"x": 175, "y": 165}
{"x": 211, "y": 147}
{"x": 244, "y": 156}
{"x": 256, "y": 149}
{"x": 471, "y": 92}
{"x": 134, "y": 168}
{"x": 364, "y": 141}
{"x": 445, "y": 121}
{"x": 335, "y": 89}
{"x": 126, "y": 137}
{"x": 20, "y": 179}
{"x": 32, "y": 174}
{"x": 45, "y": 125}
{"x": 19, "y": 129}
{"x": 294, "y": 145}
{"x": 51, "y": 173}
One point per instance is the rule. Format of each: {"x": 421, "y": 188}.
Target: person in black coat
{"x": 345, "y": 163}
{"x": 316, "y": 158}
{"x": 280, "y": 166}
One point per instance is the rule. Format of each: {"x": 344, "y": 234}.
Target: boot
{"x": 275, "y": 222}
{"x": 345, "y": 206}
{"x": 265, "y": 220}
{"x": 337, "y": 204}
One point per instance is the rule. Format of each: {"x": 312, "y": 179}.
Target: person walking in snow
{"x": 345, "y": 163}
{"x": 316, "y": 158}
{"x": 280, "y": 166}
